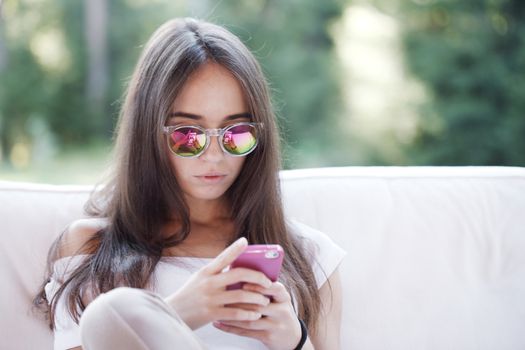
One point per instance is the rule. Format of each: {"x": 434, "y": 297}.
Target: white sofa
{"x": 436, "y": 255}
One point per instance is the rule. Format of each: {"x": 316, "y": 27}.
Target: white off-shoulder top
{"x": 172, "y": 272}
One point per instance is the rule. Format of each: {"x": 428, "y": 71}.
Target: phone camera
{"x": 271, "y": 254}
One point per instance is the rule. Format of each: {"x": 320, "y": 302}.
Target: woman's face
{"x": 211, "y": 98}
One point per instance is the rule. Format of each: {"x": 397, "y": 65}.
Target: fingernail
{"x": 241, "y": 240}
{"x": 256, "y": 315}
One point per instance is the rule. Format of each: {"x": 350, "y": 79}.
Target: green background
{"x": 395, "y": 82}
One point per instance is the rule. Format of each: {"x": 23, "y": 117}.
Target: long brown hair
{"x": 143, "y": 194}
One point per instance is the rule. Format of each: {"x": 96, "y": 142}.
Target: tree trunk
{"x": 4, "y": 142}
{"x": 96, "y": 18}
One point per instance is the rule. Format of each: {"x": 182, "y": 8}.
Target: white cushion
{"x": 436, "y": 256}
{"x": 31, "y": 216}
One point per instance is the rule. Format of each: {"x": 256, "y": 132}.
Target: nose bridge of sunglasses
{"x": 211, "y": 144}
{"x": 213, "y": 132}
{"x": 213, "y": 147}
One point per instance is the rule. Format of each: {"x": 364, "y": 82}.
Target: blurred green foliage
{"x": 471, "y": 56}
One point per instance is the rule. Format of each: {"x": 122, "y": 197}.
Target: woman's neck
{"x": 212, "y": 229}
{"x": 208, "y": 212}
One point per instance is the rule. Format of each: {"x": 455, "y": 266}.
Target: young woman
{"x": 196, "y": 168}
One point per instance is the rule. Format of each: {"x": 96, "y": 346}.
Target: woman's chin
{"x": 207, "y": 195}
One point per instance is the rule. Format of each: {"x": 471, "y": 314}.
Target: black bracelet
{"x": 304, "y": 335}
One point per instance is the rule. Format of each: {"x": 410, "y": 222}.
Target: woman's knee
{"x": 111, "y": 321}
{"x": 125, "y": 300}
{"x": 138, "y": 314}
{"x": 125, "y": 303}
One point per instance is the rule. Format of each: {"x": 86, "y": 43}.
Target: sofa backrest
{"x": 435, "y": 255}
{"x": 31, "y": 217}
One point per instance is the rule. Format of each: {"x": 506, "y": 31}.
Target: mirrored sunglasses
{"x": 190, "y": 141}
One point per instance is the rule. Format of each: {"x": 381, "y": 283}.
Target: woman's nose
{"x": 214, "y": 153}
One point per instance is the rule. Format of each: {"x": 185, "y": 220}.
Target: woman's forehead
{"x": 211, "y": 92}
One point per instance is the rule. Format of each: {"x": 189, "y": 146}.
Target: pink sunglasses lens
{"x": 187, "y": 141}
{"x": 240, "y": 139}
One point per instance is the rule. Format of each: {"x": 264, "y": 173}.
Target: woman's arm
{"x": 327, "y": 336}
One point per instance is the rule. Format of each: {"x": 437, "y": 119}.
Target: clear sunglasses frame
{"x": 220, "y": 132}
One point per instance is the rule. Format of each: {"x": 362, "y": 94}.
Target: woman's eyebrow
{"x": 185, "y": 115}
{"x": 245, "y": 115}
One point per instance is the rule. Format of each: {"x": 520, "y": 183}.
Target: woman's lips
{"x": 211, "y": 178}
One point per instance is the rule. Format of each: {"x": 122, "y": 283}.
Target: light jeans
{"x": 134, "y": 319}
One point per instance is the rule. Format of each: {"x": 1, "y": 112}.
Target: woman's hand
{"x": 204, "y": 298}
{"x": 278, "y": 328}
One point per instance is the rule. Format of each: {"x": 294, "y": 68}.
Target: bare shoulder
{"x": 78, "y": 237}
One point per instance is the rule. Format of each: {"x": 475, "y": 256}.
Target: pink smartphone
{"x": 266, "y": 258}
